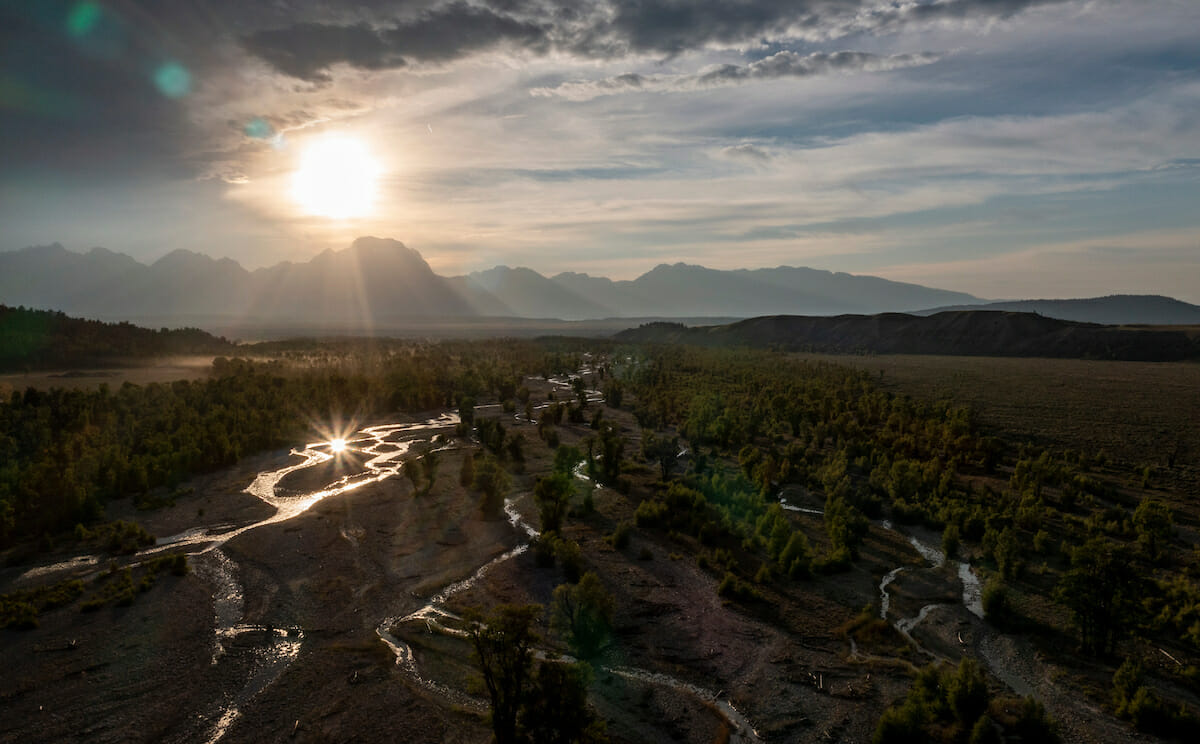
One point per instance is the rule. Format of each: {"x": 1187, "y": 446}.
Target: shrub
{"x": 571, "y": 557}
{"x": 651, "y": 513}
{"x": 583, "y": 613}
{"x": 967, "y": 693}
{"x": 984, "y": 732}
{"x": 997, "y": 607}
{"x": 619, "y": 538}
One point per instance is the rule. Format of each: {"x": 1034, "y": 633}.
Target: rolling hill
{"x": 965, "y": 333}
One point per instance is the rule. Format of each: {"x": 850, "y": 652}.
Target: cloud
{"x": 676, "y": 26}
{"x": 308, "y": 50}
{"x": 746, "y": 151}
{"x": 590, "y": 29}
{"x": 786, "y": 64}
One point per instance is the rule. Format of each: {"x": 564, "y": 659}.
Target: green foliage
{"x": 611, "y": 448}
{"x": 118, "y": 537}
{"x": 951, "y": 539}
{"x": 20, "y": 609}
{"x": 614, "y": 393}
{"x": 1034, "y": 725}
{"x": 1125, "y": 684}
{"x": 949, "y": 707}
{"x": 733, "y": 587}
{"x": 570, "y": 556}
{"x": 552, "y": 494}
{"x": 503, "y": 649}
{"x": 984, "y": 732}
{"x": 997, "y": 607}
{"x": 583, "y": 614}
{"x": 1133, "y": 700}
{"x": 566, "y": 458}
{"x": 556, "y": 710}
{"x": 1155, "y": 524}
{"x": 1103, "y": 592}
{"x": 1008, "y": 554}
{"x": 967, "y": 693}
{"x": 493, "y": 481}
{"x": 619, "y": 538}
{"x": 661, "y": 450}
{"x": 845, "y": 525}
{"x": 44, "y": 339}
{"x": 65, "y": 453}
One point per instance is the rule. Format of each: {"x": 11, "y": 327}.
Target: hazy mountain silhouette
{"x": 1110, "y": 310}
{"x": 685, "y": 289}
{"x": 528, "y": 294}
{"x": 376, "y": 281}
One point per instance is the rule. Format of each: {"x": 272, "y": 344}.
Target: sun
{"x": 337, "y": 178}
{"x": 337, "y": 445}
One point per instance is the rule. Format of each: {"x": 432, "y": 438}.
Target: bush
{"x": 902, "y": 725}
{"x": 997, "y": 607}
{"x": 984, "y": 732}
{"x": 583, "y": 613}
{"x": 545, "y": 546}
{"x": 571, "y": 557}
{"x": 734, "y": 588}
{"x": 651, "y": 513}
{"x": 967, "y": 693}
{"x": 619, "y": 538}
{"x": 1034, "y": 725}
{"x": 951, "y": 539}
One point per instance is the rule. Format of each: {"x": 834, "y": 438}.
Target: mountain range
{"x": 378, "y": 282}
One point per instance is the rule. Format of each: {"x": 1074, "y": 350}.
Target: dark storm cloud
{"x": 587, "y": 28}
{"x": 82, "y": 95}
{"x": 785, "y": 64}
{"x": 307, "y": 50}
{"x": 674, "y": 26}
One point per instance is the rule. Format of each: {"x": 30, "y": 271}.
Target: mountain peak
{"x": 183, "y": 257}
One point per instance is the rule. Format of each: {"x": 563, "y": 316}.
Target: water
{"x": 972, "y": 594}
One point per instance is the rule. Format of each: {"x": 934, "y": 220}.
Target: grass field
{"x": 1139, "y": 412}
{"x": 141, "y": 372}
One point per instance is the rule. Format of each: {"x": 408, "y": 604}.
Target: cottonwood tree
{"x": 503, "y": 645}
{"x": 1102, "y": 592}
{"x": 494, "y": 482}
{"x": 553, "y": 497}
{"x": 661, "y": 450}
{"x": 583, "y": 613}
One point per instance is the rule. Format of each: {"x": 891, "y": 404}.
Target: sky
{"x": 1006, "y": 148}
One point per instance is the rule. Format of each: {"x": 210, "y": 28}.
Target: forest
{"x": 44, "y": 339}
{"x": 65, "y": 453}
{"x": 1074, "y": 543}
{"x": 1081, "y": 551}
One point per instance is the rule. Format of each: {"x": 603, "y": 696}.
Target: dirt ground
{"x": 333, "y": 575}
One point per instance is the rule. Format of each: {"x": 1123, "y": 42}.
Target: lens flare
{"x": 82, "y": 18}
{"x": 337, "y": 445}
{"x": 173, "y": 80}
{"x": 258, "y": 128}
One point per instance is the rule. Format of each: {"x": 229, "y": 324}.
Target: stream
{"x": 273, "y": 649}
{"x": 972, "y": 590}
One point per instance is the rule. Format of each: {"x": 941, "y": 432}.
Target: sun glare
{"x": 337, "y": 178}
{"x": 337, "y": 445}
